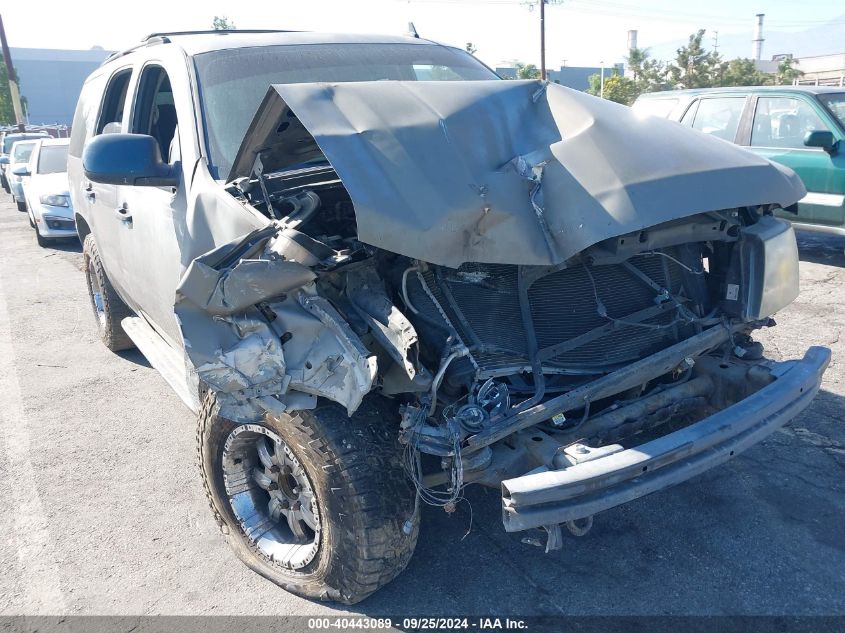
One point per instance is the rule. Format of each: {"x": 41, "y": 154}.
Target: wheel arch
{"x": 82, "y": 228}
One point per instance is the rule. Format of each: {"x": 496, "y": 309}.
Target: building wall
{"x": 576, "y": 77}
{"x": 51, "y": 80}
{"x": 825, "y": 70}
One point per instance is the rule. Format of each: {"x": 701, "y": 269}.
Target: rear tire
{"x": 21, "y": 205}
{"x": 109, "y": 309}
{"x": 5, "y": 184}
{"x": 367, "y": 526}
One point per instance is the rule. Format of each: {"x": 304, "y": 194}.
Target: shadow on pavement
{"x": 820, "y": 248}
{"x": 68, "y": 245}
{"x": 761, "y": 534}
{"x": 134, "y": 356}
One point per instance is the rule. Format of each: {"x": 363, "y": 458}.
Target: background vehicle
{"x": 9, "y": 139}
{"x": 19, "y": 170}
{"x": 375, "y": 289}
{"x": 797, "y": 126}
{"x": 47, "y": 196}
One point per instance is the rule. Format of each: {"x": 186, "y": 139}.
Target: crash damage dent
{"x": 257, "y": 333}
{"x": 516, "y": 172}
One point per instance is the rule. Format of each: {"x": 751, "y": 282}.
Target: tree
{"x": 222, "y": 23}
{"x": 470, "y": 48}
{"x": 616, "y": 88}
{"x": 741, "y": 72}
{"x": 648, "y": 74}
{"x": 786, "y": 73}
{"x": 527, "y": 71}
{"x": 695, "y": 67}
{"x": 7, "y": 110}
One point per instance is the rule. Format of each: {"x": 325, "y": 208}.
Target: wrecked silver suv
{"x": 377, "y": 292}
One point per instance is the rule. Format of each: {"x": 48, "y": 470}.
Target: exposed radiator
{"x": 482, "y": 303}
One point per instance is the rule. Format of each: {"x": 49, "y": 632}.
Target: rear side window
{"x": 719, "y": 117}
{"x": 783, "y": 122}
{"x": 111, "y": 113}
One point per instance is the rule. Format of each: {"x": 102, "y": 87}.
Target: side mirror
{"x": 823, "y": 139}
{"x": 127, "y": 159}
{"x": 21, "y": 170}
{"x": 4, "y": 160}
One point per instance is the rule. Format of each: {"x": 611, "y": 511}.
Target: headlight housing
{"x": 55, "y": 201}
{"x": 58, "y": 223}
{"x": 763, "y": 275}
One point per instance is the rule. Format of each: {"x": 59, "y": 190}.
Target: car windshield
{"x": 232, "y": 83}
{"x": 836, "y": 104}
{"x": 21, "y": 152}
{"x": 52, "y": 159}
{"x": 11, "y": 139}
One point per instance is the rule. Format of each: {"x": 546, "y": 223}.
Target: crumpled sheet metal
{"x": 249, "y": 376}
{"x": 516, "y": 172}
{"x": 240, "y": 356}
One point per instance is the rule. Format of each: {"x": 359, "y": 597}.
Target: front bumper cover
{"x": 557, "y": 496}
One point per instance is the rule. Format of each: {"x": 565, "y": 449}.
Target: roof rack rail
{"x": 165, "y": 34}
{"x": 164, "y": 38}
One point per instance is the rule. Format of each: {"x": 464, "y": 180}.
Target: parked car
{"x": 47, "y": 196}
{"x": 375, "y": 290}
{"x": 798, "y": 126}
{"x": 9, "y": 139}
{"x": 19, "y": 170}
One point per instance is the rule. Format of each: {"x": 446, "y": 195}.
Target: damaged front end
{"x": 578, "y": 335}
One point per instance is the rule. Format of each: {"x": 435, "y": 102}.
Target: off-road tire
{"x": 364, "y": 498}
{"x": 114, "y": 310}
{"x": 21, "y": 205}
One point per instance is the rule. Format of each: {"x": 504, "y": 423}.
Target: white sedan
{"x": 46, "y": 192}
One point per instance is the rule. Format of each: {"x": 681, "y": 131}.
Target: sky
{"x": 578, "y": 32}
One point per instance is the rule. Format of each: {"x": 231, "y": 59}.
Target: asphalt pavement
{"x": 102, "y": 510}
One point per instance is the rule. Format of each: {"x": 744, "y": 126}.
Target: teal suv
{"x": 801, "y": 127}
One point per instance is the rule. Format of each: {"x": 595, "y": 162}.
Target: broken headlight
{"x": 763, "y": 275}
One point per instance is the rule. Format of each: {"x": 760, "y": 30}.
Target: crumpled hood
{"x": 517, "y": 172}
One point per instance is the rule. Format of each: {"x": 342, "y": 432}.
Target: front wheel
{"x": 315, "y": 501}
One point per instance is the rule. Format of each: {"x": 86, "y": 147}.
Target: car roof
{"x": 198, "y": 42}
{"x": 666, "y": 94}
{"x": 26, "y": 135}
{"x": 55, "y": 141}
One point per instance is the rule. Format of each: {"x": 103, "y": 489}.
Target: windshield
{"x": 836, "y": 104}
{"x": 233, "y": 82}
{"x": 21, "y": 152}
{"x": 52, "y": 159}
{"x": 10, "y": 140}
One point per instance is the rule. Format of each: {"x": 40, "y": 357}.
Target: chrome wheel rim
{"x": 271, "y": 496}
{"x": 96, "y": 296}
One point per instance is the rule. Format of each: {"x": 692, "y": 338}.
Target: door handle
{"x": 89, "y": 193}
{"x": 122, "y": 212}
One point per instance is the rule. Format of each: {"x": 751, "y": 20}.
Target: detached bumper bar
{"x": 556, "y": 496}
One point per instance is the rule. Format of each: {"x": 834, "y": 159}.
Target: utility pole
{"x": 530, "y": 4}
{"x": 543, "y": 40}
{"x": 13, "y": 81}
{"x": 716, "y": 42}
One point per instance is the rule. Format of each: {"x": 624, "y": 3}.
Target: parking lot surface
{"x": 102, "y": 510}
